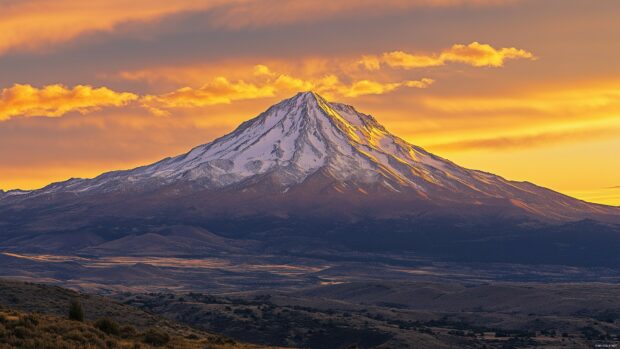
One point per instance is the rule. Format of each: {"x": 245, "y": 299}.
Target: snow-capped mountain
{"x": 295, "y": 139}
{"x": 311, "y": 151}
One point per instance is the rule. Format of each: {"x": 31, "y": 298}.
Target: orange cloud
{"x": 218, "y": 91}
{"x": 267, "y": 83}
{"x": 480, "y": 55}
{"x": 32, "y": 24}
{"x": 370, "y": 62}
{"x": 57, "y": 100}
{"x": 288, "y": 83}
{"x": 474, "y": 54}
{"x": 400, "y": 59}
{"x": 367, "y": 87}
{"x": 274, "y": 12}
{"x": 261, "y": 69}
{"x": 317, "y": 73}
{"x": 588, "y": 97}
{"x": 533, "y": 116}
{"x": 527, "y": 141}
{"x": 303, "y": 72}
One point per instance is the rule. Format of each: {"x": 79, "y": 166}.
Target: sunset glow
{"x": 112, "y": 85}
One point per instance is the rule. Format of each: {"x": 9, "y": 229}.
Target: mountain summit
{"x": 301, "y": 136}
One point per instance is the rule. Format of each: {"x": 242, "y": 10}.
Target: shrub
{"x": 75, "y": 311}
{"x": 28, "y": 321}
{"x": 21, "y": 332}
{"x": 128, "y": 331}
{"x": 156, "y": 337}
{"x": 108, "y": 326}
{"x": 75, "y": 335}
{"x": 220, "y": 340}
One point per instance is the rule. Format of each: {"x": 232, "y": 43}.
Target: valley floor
{"x": 323, "y": 300}
{"x": 233, "y": 273}
{"x": 353, "y": 314}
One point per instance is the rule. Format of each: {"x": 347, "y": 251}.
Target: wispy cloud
{"x": 274, "y": 12}
{"x": 597, "y": 98}
{"x": 57, "y": 100}
{"x": 474, "y": 54}
{"x": 350, "y": 68}
{"x": 526, "y": 140}
{"x": 367, "y": 87}
{"x": 333, "y": 77}
{"x": 35, "y": 24}
{"x": 218, "y": 91}
{"x": 267, "y": 83}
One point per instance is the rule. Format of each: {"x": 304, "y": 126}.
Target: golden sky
{"x": 526, "y": 89}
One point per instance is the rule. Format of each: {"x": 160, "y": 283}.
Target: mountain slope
{"x": 304, "y": 178}
{"x": 305, "y": 152}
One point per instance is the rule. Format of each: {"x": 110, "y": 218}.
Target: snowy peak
{"x": 297, "y": 137}
{"x": 293, "y": 140}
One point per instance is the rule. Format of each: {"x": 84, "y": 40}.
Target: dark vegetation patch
{"x": 36, "y": 316}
